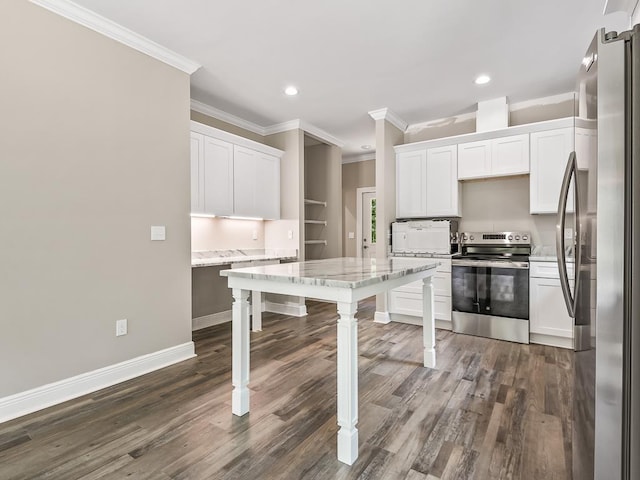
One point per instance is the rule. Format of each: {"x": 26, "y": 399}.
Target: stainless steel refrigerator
{"x": 599, "y": 222}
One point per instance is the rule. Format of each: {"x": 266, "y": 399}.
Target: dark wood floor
{"x": 491, "y": 410}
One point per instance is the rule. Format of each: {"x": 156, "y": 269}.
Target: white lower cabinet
{"x": 549, "y": 322}
{"x": 407, "y": 300}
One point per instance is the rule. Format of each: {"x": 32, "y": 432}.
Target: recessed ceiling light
{"x": 482, "y": 80}
{"x": 366, "y": 147}
{"x": 291, "y": 91}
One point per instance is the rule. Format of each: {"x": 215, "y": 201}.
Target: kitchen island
{"x": 341, "y": 280}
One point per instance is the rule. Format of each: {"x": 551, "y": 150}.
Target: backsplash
{"x": 502, "y": 204}
{"x": 226, "y": 233}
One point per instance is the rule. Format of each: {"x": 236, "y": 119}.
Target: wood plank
{"x": 490, "y": 410}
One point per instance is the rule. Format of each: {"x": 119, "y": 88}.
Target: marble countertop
{"x": 336, "y": 272}
{"x": 212, "y": 258}
{"x": 425, "y": 255}
{"x": 547, "y": 253}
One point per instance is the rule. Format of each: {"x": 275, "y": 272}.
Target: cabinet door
{"x": 217, "y": 177}
{"x": 442, "y": 182}
{"x": 267, "y": 173}
{"x": 548, "y": 313}
{"x": 549, "y": 154}
{"x": 197, "y": 179}
{"x": 245, "y": 186}
{"x": 510, "y": 155}
{"x": 411, "y": 184}
{"x": 474, "y": 160}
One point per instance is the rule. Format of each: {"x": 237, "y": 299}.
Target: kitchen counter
{"x": 210, "y": 258}
{"x": 425, "y": 255}
{"x": 547, "y": 253}
{"x": 341, "y": 280}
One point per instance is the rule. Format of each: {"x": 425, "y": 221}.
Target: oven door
{"x": 491, "y": 299}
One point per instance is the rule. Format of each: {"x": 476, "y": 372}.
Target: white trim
{"x": 452, "y": 120}
{"x": 312, "y": 130}
{"x": 382, "y": 317}
{"x": 45, "y": 396}
{"x": 359, "y": 192}
{"x": 389, "y": 116}
{"x": 205, "y": 321}
{"x": 362, "y": 157}
{"x": 296, "y": 124}
{"x": 282, "y": 127}
{"x": 87, "y": 18}
{"x": 474, "y": 137}
{"x": 551, "y": 340}
{"x": 286, "y": 309}
{"x": 320, "y": 134}
{"x": 235, "y": 139}
{"x": 226, "y": 117}
{"x": 536, "y": 102}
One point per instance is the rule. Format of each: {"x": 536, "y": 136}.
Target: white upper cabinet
{"x": 427, "y": 183}
{"x": 231, "y": 175}
{"x": 442, "y": 193}
{"x": 197, "y": 188}
{"x": 411, "y": 184}
{"x": 494, "y": 157}
{"x": 550, "y": 151}
{"x": 217, "y": 176}
{"x": 474, "y": 159}
{"x": 256, "y": 184}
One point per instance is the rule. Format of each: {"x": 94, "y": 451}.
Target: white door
{"x": 368, "y": 225}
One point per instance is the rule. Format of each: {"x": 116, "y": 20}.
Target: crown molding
{"x": 361, "y": 157}
{"x": 389, "y": 116}
{"x": 226, "y": 117}
{"x": 87, "y": 18}
{"x": 559, "y": 98}
{"x": 283, "y": 127}
{"x": 320, "y": 134}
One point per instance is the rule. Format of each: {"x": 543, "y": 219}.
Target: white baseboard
{"x": 293, "y": 310}
{"x": 210, "y": 320}
{"x": 381, "y": 317}
{"x": 45, "y": 396}
{"x": 551, "y": 340}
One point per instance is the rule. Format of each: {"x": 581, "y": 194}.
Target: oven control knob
{"x": 517, "y": 237}
{"x": 471, "y": 238}
{"x": 524, "y": 237}
{"x": 511, "y": 237}
{"x": 464, "y": 237}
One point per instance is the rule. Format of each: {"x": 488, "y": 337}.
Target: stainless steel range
{"x": 490, "y": 285}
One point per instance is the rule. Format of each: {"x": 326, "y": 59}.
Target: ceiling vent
{"x": 492, "y": 115}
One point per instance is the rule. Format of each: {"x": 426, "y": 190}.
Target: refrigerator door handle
{"x": 569, "y": 299}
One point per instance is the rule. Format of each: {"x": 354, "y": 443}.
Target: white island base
{"x": 341, "y": 280}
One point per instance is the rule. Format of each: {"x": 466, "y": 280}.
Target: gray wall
{"x": 354, "y": 175}
{"x": 94, "y": 150}
{"x": 323, "y": 182}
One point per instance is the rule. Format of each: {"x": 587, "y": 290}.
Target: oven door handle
{"x": 489, "y": 264}
{"x": 569, "y": 299}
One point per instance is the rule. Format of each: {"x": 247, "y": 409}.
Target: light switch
{"x": 289, "y": 234}
{"x": 254, "y": 235}
{"x": 158, "y": 232}
{"x": 352, "y": 235}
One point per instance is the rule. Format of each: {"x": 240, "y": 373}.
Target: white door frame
{"x": 359, "y": 192}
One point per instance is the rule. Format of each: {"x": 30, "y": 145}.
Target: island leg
{"x": 256, "y": 311}
{"x": 428, "y": 323}
{"x": 347, "y": 382}
{"x": 240, "y": 352}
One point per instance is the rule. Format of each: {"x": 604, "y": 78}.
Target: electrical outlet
{"x": 289, "y": 234}
{"x": 254, "y": 235}
{"x": 121, "y": 327}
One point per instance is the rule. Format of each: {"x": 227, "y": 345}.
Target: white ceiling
{"x": 348, "y": 57}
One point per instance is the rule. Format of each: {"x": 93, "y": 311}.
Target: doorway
{"x": 366, "y": 222}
